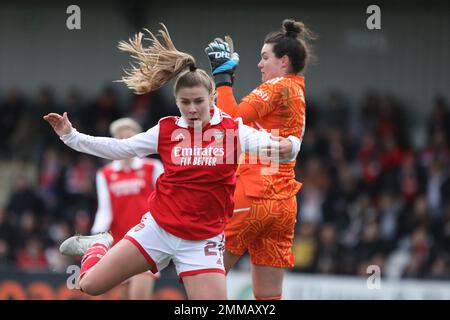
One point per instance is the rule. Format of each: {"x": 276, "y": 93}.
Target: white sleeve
{"x": 250, "y": 139}
{"x": 140, "y": 145}
{"x": 254, "y": 141}
{"x": 103, "y": 217}
{"x": 296, "y": 143}
{"x": 157, "y": 171}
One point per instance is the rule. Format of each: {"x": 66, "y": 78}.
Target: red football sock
{"x": 91, "y": 257}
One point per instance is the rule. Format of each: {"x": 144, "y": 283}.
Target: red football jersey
{"x": 197, "y": 186}
{"x": 193, "y": 198}
{"x": 128, "y": 193}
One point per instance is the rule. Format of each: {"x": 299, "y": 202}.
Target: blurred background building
{"x": 375, "y": 157}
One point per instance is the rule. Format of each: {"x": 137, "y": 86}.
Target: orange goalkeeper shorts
{"x": 264, "y": 227}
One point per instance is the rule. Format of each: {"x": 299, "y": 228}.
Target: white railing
{"x": 317, "y": 287}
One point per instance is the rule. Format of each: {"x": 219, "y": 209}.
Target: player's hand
{"x": 223, "y": 61}
{"x": 284, "y": 147}
{"x": 221, "y": 56}
{"x": 60, "y": 124}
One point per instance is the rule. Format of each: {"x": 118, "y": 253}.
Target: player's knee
{"x": 266, "y": 292}
{"x": 90, "y": 287}
{"x": 267, "y": 289}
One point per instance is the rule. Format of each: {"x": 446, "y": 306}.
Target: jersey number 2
{"x": 210, "y": 249}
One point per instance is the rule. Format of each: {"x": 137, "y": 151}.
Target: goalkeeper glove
{"x": 223, "y": 60}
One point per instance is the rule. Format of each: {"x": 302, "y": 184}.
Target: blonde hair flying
{"x": 157, "y": 64}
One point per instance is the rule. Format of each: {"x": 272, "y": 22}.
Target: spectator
{"x": 439, "y": 120}
{"x": 420, "y": 253}
{"x": 439, "y": 269}
{"x": 97, "y": 116}
{"x": 6, "y": 255}
{"x": 417, "y": 216}
{"x": 437, "y": 176}
{"x": 7, "y": 231}
{"x": 389, "y": 211}
{"x": 370, "y": 243}
{"x": 410, "y": 178}
{"x": 24, "y": 197}
{"x": 326, "y": 260}
{"x": 148, "y": 108}
{"x": 32, "y": 256}
{"x": 304, "y": 248}
{"x": 361, "y": 177}
{"x": 49, "y": 171}
{"x": 11, "y": 110}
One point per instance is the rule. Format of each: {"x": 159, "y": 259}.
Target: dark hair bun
{"x": 292, "y": 28}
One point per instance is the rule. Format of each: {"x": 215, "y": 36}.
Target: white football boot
{"x": 77, "y": 245}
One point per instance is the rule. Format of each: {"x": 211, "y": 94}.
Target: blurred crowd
{"x": 60, "y": 198}
{"x": 370, "y": 195}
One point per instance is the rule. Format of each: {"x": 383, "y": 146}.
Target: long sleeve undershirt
{"x": 228, "y": 104}
{"x": 145, "y": 143}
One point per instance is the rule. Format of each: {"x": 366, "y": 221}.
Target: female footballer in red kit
{"x": 193, "y": 199}
{"x": 123, "y": 187}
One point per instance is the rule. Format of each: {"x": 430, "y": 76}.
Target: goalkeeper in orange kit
{"x": 265, "y": 205}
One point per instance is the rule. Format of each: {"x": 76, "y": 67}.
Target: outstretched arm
{"x": 140, "y": 145}
{"x": 280, "y": 149}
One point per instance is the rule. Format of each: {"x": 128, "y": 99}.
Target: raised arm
{"x": 223, "y": 62}
{"x": 140, "y": 145}
{"x": 227, "y": 103}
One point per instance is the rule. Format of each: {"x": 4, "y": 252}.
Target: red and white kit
{"x": 193, "y": 199}
{"x": 122, "y": 195}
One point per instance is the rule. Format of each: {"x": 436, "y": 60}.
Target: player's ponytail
{"x": 157, "y": 64}
{"x": 293, "y": 41}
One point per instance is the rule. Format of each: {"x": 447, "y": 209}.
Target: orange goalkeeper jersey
{"x": 276, "y": 104}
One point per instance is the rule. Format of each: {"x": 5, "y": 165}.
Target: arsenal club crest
{"x": 140, "y": 173}
{"x": 218, "y": 135}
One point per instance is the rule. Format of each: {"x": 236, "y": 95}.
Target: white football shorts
{"x": 189, "y": 257}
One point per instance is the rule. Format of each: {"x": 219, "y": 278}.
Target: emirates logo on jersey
{"x": 198, "y": 156}
{"x": 139, "y": 227}
{"x": 127, "y": 187}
